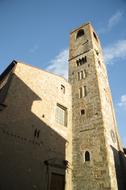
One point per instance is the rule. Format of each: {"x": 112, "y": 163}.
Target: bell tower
{"x": 96, "y": 144}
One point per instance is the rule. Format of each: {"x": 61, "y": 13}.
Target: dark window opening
{"x": 73, "y": 73}
{"x": 63, "y": 88}
{"x": 82, "y": 112}
{"x": 80, "y": 33}
{"x": 77, "y": 62}
{"x": 81, "y": 61}
{"x": 36, "y": 133}
{"x": 87, "y": 156}
{"x": 95, "y": 36}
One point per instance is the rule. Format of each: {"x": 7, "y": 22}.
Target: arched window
{"x": 87, "y": 156}
{"x": 80, "y": 33}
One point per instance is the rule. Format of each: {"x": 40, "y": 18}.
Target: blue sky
{"x": 37, "y": 32}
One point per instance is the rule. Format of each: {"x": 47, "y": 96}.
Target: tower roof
{"x": 88, "y": 23}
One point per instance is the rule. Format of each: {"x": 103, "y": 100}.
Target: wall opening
{"x": 85, "y": 91}
{"x": 87, "y": 156}
{"x": 81, "y": 61}
{"x": 80, "y": 92}
{"x": 95, "y": 36}
{"x": 63, "y": 88}
{"x": 83, "y": 112}
{"x": 80, "y": 33}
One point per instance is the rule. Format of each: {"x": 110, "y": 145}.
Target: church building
{"x": 57, "y": 134}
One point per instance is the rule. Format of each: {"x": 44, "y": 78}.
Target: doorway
{"x": 57, "y": 181}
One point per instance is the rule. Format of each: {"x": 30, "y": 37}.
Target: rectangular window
{"x": 84, "y": 74}
{"x": 81, "y": 75}
{"x": 85, "y": 91}
{"x": 61, "y": 115}
{"x": 82, "y": 112}
{"x": 80, "y": 92}
{"x": 77, "y": 62}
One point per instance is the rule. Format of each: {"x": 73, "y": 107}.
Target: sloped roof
{"x": 8, "y": 69}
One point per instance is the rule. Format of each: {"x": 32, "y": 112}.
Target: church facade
{"x": 57, "y": 134}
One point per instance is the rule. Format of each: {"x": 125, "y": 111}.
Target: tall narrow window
{"x": 77, "y": 62}
{"x": 78, "y": 75}
{"x": 84, "y": 74}
{"x": 87, "y": 156}
{"x": 81, "y": 61}
{"x": 81, "y": 75}
{"x": 84, "y": 59}
{"x": 95, "y": 36}
{"x": 36, "y": 133}
{"x": 85, "y": 90}
{"x": 80, "y": 92}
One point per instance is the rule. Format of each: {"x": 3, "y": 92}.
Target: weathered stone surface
{"x": 95, "y": 131}
{"x": 31, "y": 103}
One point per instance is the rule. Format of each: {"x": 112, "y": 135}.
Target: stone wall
{"x": 32, "y": 144}
{"x": 95, "y": 130}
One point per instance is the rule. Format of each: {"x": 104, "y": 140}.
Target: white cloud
{"x": 115, "y": 52}
{"x": 112, "y": 21}
{"x": 34, "y": 48}
{"x": 122, "y": 102}
{"x": 115, "y": 19}
{"x": 59, "y": 65}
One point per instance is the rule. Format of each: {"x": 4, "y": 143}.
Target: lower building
{"x": 35, "y": 129}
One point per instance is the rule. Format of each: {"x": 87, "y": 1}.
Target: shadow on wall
{"x": 120, "y": 165}
{"x": 32, "y": 155}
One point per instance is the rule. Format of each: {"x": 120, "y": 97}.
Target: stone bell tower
{"x": 96, "y": 144}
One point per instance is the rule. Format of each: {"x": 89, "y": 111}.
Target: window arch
{"x": 87, "y": 156}
{"x": 80, "y": 33}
